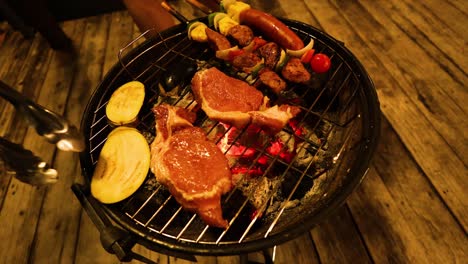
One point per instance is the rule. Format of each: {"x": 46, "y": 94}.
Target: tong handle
{"x": 11, "y": 94}
{"x": 52, "y": 126}
{"x": 41, "y": 118}
{"x": 24, "y": 165}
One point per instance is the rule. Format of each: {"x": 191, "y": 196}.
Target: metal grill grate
{"x": 331, "y": 110}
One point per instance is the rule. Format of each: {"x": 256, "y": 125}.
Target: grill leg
{"x": 114, "y": 239}
{"x": 268, "y": 259}
{"x": 244, "y": 259}
{"x": 266, "y": 255}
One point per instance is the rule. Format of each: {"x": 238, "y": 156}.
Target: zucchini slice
{"x": 125, "y": 103}
{"x": 122, "y": 166}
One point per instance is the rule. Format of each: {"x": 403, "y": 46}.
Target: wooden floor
{"x": 411, "y": 208}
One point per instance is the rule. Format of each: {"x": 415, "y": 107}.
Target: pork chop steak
{"x": 227, "y": 99}
{"x": 193, "y": 168}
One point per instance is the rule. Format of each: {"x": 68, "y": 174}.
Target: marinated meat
{"x": 216, "y": 40}
{"x": 194, "y": 169}
{"x": 272, "y": 80}
{"x": 274, "y": 118}
{"x": 246, "y": 61}
{"x": 227, "y": 99}
{"x": 295, "y": 71}
{"x": 242, "y": 34}
{"x": 270, "y": 52}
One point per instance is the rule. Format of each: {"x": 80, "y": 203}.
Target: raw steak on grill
{"x": 194, "y": 169}
{"x": 227, "y": 99}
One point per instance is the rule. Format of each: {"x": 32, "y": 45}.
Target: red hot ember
{"x": 245, "y": 170}
{"x": 298, "y": 131}
{"x": 246, "y": 148}
{"x": 234, "y": 149}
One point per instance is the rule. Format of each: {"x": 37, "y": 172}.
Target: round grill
{"x": 340, "y": 123}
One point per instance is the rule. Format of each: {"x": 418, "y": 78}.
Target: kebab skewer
{"x": 265, "y": 60}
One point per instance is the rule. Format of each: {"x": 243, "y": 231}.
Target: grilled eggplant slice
{"x": 122, "y": 166}
{"x": 125, "y": 103}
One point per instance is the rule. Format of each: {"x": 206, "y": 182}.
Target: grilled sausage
{"x": 271, "y": 28}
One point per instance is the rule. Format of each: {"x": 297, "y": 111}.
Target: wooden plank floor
{"x": 411, "y": 208}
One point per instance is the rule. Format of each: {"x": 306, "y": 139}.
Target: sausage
{"x": 271, "y": 28}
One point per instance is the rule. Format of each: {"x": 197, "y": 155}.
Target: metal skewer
{"x": 174, "y": 12}
{"x": 202, "y": 7}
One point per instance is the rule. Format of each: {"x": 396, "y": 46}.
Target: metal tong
{"x": 23, "y": 164}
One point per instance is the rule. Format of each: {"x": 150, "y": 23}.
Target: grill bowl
{"x": 342, "y": 105}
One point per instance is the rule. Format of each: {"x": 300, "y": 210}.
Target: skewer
{"x": 174, "y": 12}
{"x": 202, "y": 7}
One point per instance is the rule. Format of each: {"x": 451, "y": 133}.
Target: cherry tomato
{"x": 320, "y": 63}
{"x": 307, "y": 56}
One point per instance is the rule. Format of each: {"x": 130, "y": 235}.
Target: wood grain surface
{"x": 412, "y": 206}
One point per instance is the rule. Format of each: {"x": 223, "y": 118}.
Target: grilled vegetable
{"x": 122, "y": 165}
{"x": 228, "y": 54}
{"x": 256, "y": 68}
{"x": 307, "y": 57}
{"x": 125, "y": 103}
{"x": 225, "y": 4}
{"x": 222, "y": 22}
{"x": 196, "y": 31}
{"x": 283, "y": 59}
{"x": 217, "y": 17}
{"x": 211, "y": 18}
{"x": 255, "y": 44}
{"x": 299, "y": 53}
{"x": 234, "y": 9}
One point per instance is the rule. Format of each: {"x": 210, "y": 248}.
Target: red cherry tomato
{"x": 320, "y": 63}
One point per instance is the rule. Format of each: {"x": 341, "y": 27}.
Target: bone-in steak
{"x": 194, "y": 169}
{"x": 227, "y": 99}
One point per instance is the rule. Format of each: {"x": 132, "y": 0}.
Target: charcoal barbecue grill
{"x": 340, "y": 110}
